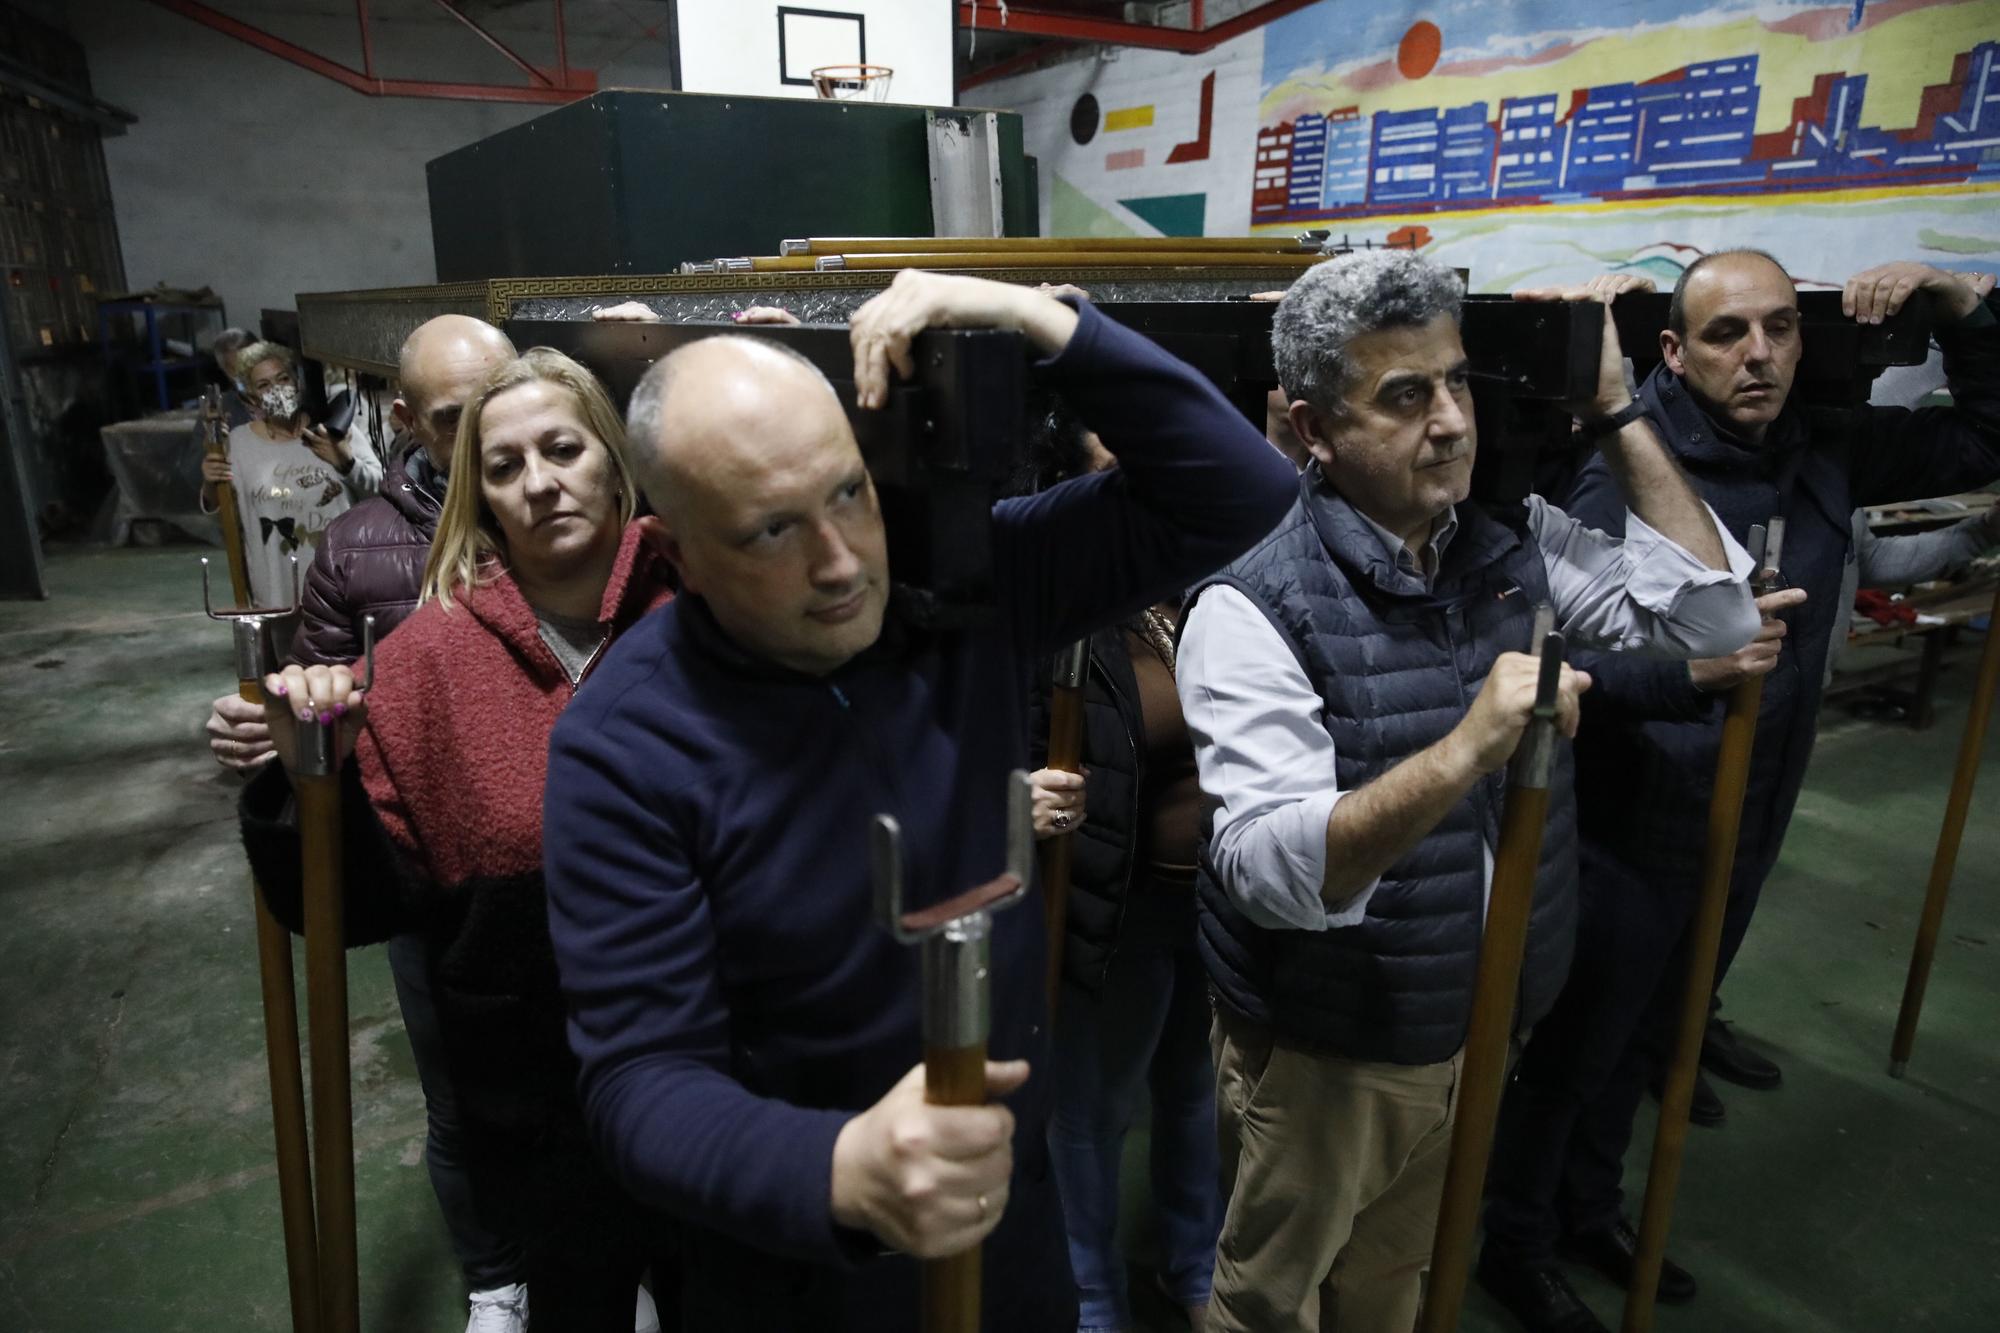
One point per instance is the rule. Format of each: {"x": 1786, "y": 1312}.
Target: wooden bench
{"x": 1956, "y": 605}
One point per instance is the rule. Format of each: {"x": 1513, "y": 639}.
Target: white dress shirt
{"x": 1267, "y": 759}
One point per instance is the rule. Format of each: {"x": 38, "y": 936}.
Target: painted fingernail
{"x": 282, "y": 691}
{"x": 325, "y": 717}
{"x": 340, "y": 710}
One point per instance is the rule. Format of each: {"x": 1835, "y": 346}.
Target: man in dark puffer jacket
{"x": 1354, "y": 686}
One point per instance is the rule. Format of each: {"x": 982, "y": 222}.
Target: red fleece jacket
{"x": 456, "y": 748}
{"x": 443, "y": 830}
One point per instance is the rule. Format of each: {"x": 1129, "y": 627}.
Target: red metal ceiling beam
{"x": 506, "y": 51}
{"x": 562, "y": 46}
{"x": 367, "y": 43}
{"x": 1117, "y": 32}
{"x": 1248, "y": 21}
{"x": 1001, "y": 69}
{"x": 576, "y": 87}
{"x": 481, "y": 92}
{"x": 1077, "y": 28}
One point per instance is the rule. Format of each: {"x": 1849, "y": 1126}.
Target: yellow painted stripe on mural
{"x": 1775, "y": 200}
{"x": 1128, "y": 118}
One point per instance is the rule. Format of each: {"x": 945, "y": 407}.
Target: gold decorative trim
{"x": 499, "y": 296}
{"x": 438, "y": 291}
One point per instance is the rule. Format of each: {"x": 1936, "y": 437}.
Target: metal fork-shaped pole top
{"x": 1534, "y": 758}
{"x": 1766, "y": 547}
{"x": 956, "y": 936}
{"x": 251, "y": 641}
{"x": 955, "y": 932}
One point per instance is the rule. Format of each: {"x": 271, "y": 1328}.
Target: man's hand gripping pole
{"x": 1487, "y": 1038}
{"x": 1725, "y": 822}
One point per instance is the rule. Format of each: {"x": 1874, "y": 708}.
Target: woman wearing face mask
{"x": 534, "y": 571}
{"x": 291, "y": 477}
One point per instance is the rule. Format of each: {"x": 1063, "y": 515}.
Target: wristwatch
{"x": 1600, "y": 427}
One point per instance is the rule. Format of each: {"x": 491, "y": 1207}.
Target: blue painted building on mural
{"x": 1692, "y": 130}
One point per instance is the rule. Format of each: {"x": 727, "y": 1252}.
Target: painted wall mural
{"x": 1542, "y": 140}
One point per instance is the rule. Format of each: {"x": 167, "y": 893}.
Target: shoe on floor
{"x": 645, "y": 1316}
{"x": 1540, "y": 1299}
{"x": 1706, "y": 1110}
{"x": 1610, "y": 1249}
{"x": 499, "y": 1310}
{"x": 1724, "y": 1055}
{"x": 1197, "y": 1315}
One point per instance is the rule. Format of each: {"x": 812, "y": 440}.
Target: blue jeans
{"x": 1148, "y": 1030}
{"x": 487, "y": 1257}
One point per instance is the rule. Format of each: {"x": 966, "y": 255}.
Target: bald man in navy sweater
{"x": 750, "y": 1037}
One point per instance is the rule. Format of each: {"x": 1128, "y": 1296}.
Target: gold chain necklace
{"x": 1157, "y": 627}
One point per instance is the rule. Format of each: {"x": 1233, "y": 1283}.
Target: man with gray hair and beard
{"x": 1355, "y": 686}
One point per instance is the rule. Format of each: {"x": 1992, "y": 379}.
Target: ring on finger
{"x": 982, "y": 1207}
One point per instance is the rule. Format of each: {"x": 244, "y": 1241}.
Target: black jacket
{"x": 1396, "y": 666}
{"x": 371, "y": 562}
{"x": 1646, "y": 750}
{"x": 1105, "y": 846}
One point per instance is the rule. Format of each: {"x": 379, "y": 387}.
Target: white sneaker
{"x": 500, "y": 1310}
{"x": 645, "y": 1317}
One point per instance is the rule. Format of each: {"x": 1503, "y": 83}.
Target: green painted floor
{"x": 136, "y": 1190}
{"x": 136, "y": 1181}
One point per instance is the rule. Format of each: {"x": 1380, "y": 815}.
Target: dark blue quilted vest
{"x": 1396, "y": 667}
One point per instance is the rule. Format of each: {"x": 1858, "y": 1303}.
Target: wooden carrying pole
{"x": 1725, "y": 822}
{"x": 1031, "y": 245}
{"x": 1491, "y": 1030}
{"x": 255, "y": 657}
{"x": 316, "y": 787}
{"x": 1066, "y": 755}
{"x": 953, "y": 1076}
{"x": 956, "y": 939}
{"x": 1956, "y": 807}
{"x": 216, "y": 444}
{"x": 288, "y": 1097}
{"x": 1083, "y": 259}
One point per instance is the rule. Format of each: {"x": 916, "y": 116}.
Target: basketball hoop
{"x": 853, "y": 83}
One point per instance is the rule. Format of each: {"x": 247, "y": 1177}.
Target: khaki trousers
{"x": 1333, "y": 1170}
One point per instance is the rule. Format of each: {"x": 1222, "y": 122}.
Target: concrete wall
{"x": 262, "y": 180}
